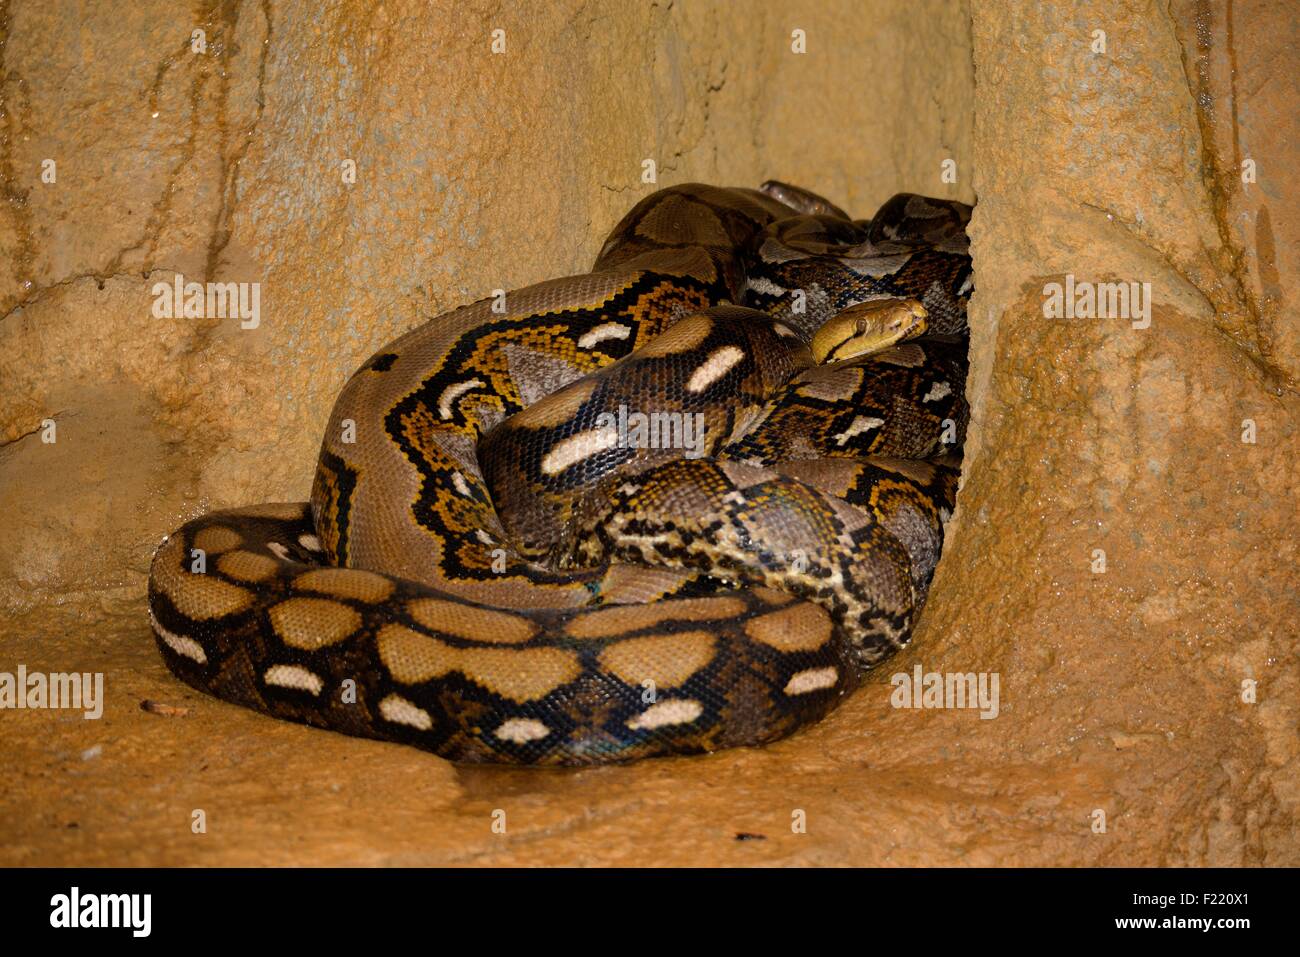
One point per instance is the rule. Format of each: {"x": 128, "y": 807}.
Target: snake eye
{"x": 861, "y": 326}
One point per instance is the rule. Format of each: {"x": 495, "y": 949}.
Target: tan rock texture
{"x": 1121, "y": 690}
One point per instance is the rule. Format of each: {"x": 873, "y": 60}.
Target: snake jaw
{"x": 869, "y": 327}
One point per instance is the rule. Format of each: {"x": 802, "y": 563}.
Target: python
{"x": 475, "y": 441}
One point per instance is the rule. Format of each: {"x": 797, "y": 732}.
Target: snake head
{"x": 868, "y": 327}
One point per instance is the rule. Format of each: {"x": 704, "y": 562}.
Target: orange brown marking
{"x": 353, "y": 583}
{"x": 682, "y": 337}
{"x": 217, "y": 538}
{"x": 247, "y": 566}
{"x": 520, "y": 674}
{"x": 772, "y": 596}
{"x": 281, "y": 511}
{"x": 313, "y": 623}
{"x": 198, "y": 596}
{"x": 620, "y": 619}
{"x": 801, "y": 627}
{"x": 666, "y": 660}
{"x": 471, "y": 622}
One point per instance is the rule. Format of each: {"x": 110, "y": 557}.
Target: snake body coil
{"x": 645, "y": 510}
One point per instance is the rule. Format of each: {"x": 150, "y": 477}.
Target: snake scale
{"x": 674, "y": 504}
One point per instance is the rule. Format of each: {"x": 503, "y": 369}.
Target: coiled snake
{"x": 674, "y": 504}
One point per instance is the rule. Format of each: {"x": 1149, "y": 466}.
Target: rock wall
{"x": 1125, "y": 550}
{"x": 474, "y": 171}
{"x": 1121, "y": 737}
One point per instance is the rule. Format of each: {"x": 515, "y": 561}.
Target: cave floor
{"x": 858, "y": 789}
